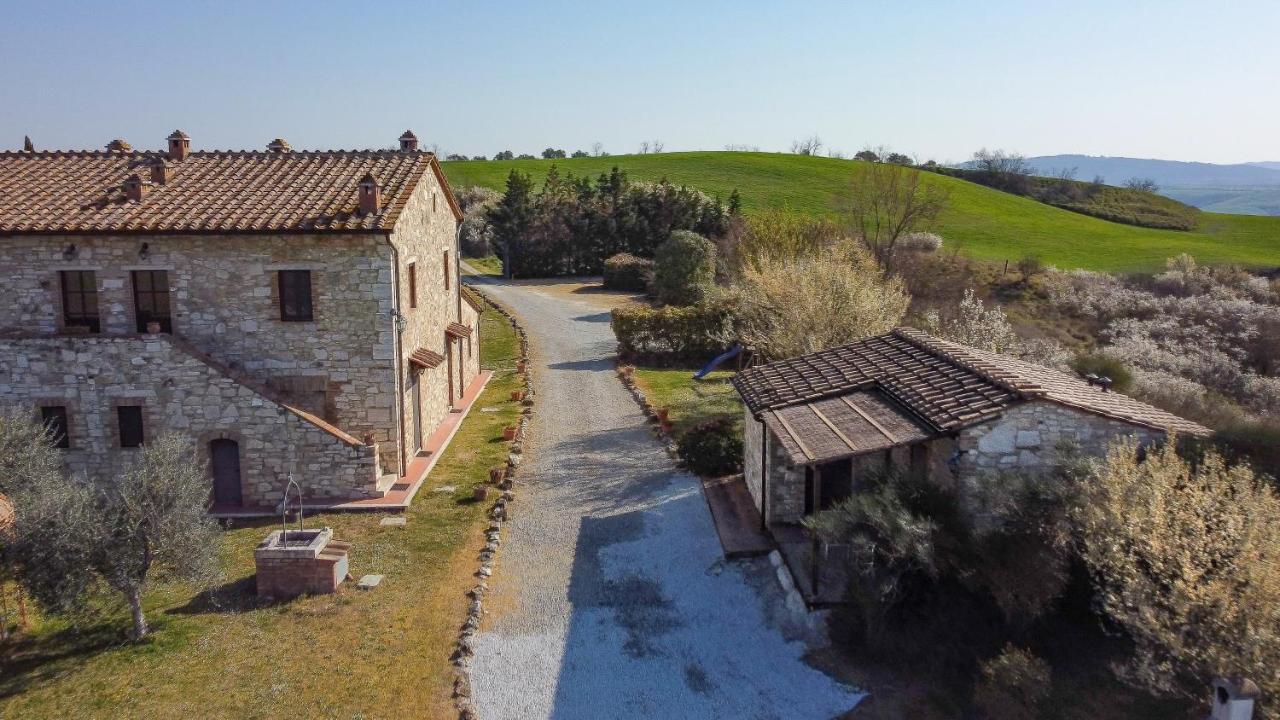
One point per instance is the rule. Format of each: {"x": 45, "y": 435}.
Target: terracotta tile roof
{"x": 470, "y": 296}
{"x": 945, "y": 384}
{"x": 1062, "y": 388}
{"x": 942, "y": 393}
{"x": 426, "y": 359}
{"x": 457, "y": 330}
{"x": 207, "y": 192}
{"x": 840, "y": 427}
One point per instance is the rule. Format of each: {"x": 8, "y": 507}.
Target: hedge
{"x": 696, "y": 332}
{"x": 625, "y": 271}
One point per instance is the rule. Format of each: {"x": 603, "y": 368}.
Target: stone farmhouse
{"x": 298, "y": 314}
{"x": 817, "y": 423}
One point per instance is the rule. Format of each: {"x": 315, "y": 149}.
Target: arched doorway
{"x": 224, "y": 460}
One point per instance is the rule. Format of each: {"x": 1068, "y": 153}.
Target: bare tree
{"x": 658, "y": 145}
{"x": 597, "y": 148}
{"x": 644, "y": 147}
{"x": 1142, "y": 185}
{"x": 884, "y": 202}
{"x": 811, "y": 145}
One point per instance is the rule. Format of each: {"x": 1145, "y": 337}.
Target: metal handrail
{"x": 284, "y": 510}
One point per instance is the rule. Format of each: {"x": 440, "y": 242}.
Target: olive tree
{"x": 1186, "y": 558}
{"x": 797, "y": 305}
{"x": 72, "y": 531}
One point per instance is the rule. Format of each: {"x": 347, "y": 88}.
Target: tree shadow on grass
{"x": 231, "y": 597}
{"x": 29, "y": 660}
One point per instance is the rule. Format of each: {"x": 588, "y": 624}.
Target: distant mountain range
{"x": 1244, "y": 188}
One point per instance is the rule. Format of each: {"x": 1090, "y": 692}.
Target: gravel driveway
{"x": 610, "y": 598}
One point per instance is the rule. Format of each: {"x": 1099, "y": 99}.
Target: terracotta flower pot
{"x": 663, "y": 414}
{"x": 517, "y": 395}
{"x": 481, "y": 492}
{"x": 153, "y": 327}
{"x": 509, "y": 432}
{"x": 519, "y": 366}
{"x": 497, "y": 474}
{"x": 666, "y": 427}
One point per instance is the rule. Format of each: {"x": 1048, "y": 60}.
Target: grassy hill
{"x": 984, "y": 223}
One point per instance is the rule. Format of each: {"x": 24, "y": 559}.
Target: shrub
{"x": 790, "y": 307}
{"x": 684, "y": 270}
{"x": 1012, "y": 686}
{"x": 625, "y": 271}
{"x": 974, "y": 325}
{"x": 1030, "y": 265}
{"x": 920, "y": 242}
{"x": 1186, "y": 559}
{"x": 712, "y": 448}
{"x": 673, "y": 333}
{"x": 1104, "y": 365}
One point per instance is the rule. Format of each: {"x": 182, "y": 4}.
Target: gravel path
{"x": 610, "y": 598}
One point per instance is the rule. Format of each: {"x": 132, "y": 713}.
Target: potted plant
{"x": 153, "y": 327}
{"x": 517, "y": 395}
{"x": 663, "y": 414}
{"x": 520, "y": 366}
{"x": 481, "y": 492}
{"x": 497, "y": 474}
{"x": 509, "y": 432}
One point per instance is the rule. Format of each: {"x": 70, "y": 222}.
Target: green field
{"x": 983, "y": 223}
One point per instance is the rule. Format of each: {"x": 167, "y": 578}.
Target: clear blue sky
{"x": 1170, "y": 79}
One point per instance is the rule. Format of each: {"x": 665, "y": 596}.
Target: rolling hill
{"x": 981, "y": 222}
{"x": 1248, "y": 188}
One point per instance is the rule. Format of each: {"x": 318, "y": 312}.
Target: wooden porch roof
{"x": 839, "y": 427}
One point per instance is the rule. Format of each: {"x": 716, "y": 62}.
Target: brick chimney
{"x": 119, "y": 145}
{"x": 160, "y": 171}
{"x": 135, "y": 188}
{"x": 179, "y": 145}
{"x": 370, "y": 195}
{"x": 408, "y": 141}
{"x": 279, "y": 145}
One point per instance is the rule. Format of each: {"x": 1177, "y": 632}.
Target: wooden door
{"x": 415, "y": 377}
{"x": 224, "y": 459}
{"x": 448, "y": 351}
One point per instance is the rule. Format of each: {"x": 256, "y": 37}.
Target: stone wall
{"x": 1026, "y": 437}
{"x": 425, "y": 232}
{"x": 179, "y": 392}
{"x": 225, "y": 301}
{"x": 785, "y": 482}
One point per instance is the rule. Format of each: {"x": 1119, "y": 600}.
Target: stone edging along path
{"x": 660, "y": 427}
{"x": 506, "y": 477}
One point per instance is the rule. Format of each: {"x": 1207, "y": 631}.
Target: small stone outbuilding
{"x": 817, "y": 423}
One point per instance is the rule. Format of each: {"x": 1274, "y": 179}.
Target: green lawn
{"x": 383, "y": 653}
{"x": 984, "y": 223}
{"x": 689, "y": 401}
{"x": 490, "y": 265}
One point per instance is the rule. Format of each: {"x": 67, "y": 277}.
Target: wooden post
{"x": 1006, "y": 269}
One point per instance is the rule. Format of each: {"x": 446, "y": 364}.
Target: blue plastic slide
{"x": 715, "y": 362}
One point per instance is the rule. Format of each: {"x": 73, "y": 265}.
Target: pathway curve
{"x": 610, "y": 599}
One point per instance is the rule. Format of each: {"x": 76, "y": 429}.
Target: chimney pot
{"x": 119, "y": 145}
{"x": 160, "y": 171}
{"x": 408, "y": 141}
{"x": 370, "y": 195}
{"x": 179, "y": 145}
{"x": 279, "y": 145}
{"x": 135, "y": 188}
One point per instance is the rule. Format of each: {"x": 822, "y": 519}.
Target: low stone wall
{"x": 178, "y": 392}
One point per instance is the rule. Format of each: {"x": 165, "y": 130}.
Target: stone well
{"x": 296, "y": 562}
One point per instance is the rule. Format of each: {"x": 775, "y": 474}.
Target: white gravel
{"x": 610, "y": 598}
